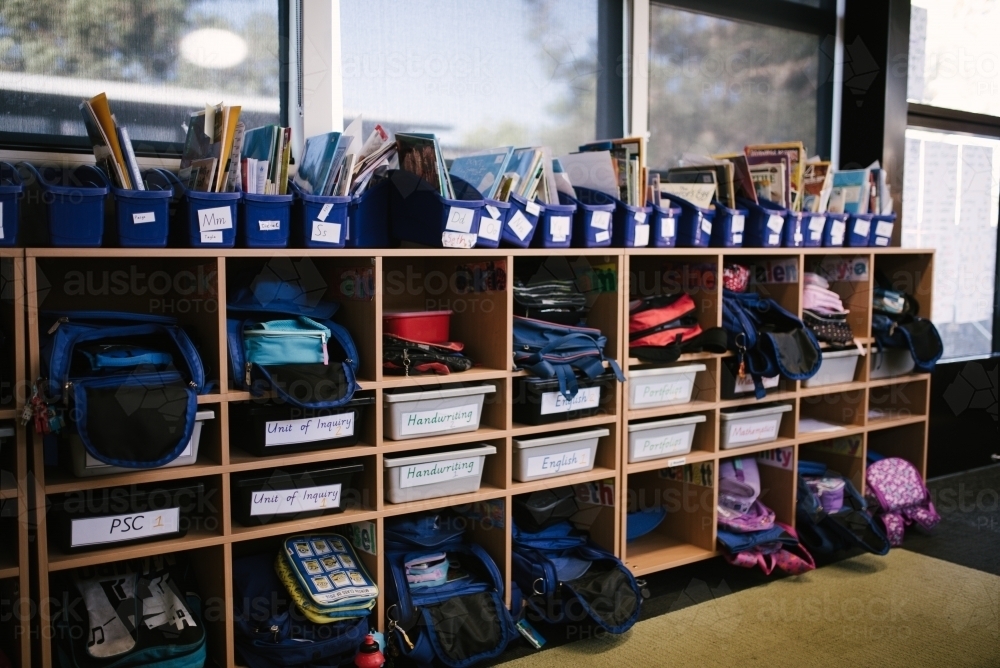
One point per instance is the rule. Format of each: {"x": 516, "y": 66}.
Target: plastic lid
{"x": 6, "y": 432}
{"x": 658, "y": 424}
{"x": 391, "y": 315}
{"x": 847, "y": 352}
{"x": 200, "y": 415}
{"x": 293, "y": 476}
{"x": 667, "y": 370}
{"x": 739, "y": 414}
{"x": 481, "y": 450}
{"x": 521, "y": 443}
{"x": 439, "y": 394}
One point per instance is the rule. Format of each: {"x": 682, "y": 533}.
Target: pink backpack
{"x": 899, "y": 497}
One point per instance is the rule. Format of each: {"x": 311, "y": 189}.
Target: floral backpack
{"x": 899, "y": 497}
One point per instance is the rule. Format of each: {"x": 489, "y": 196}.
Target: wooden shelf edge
{"x": 693, "y": 457}
{"x": 899, "y": 380}
{"x": 290, "y": 527}
{"x": 59, "y": 561}
{"x": 888, "y": 423}
{"x": 518, "y": 430}
{"x": 754, "y": 449}
{"x": 696, "y": 406}
{"x": 485, "y": 493}
{"x": 598, "y": 473}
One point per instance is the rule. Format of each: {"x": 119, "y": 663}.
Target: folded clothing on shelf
{"x": 559, "y": 301}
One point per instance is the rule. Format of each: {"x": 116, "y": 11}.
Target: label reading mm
{"x": 118, "y": 528}
{"x": 218, "y": 218}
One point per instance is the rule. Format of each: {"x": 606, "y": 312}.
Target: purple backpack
{"x": 899, "y": 497}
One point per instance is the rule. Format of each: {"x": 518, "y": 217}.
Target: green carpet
{"x": 904, "y": 609}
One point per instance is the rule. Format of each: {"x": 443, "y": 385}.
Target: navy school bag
{"x": 768, "y": 340}
{"x": 558, "y": 351}
{"x": 457, "y": 623}
{"x": 327, "y": 384}
{"x": 563, "y": 577}
{"x": 125, "y": 380}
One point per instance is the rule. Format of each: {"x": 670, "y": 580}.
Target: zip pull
{"x": 406, "y": 362}
{"x": 247, "y": 377}
{"x": 274, "y": 630}
{"x": 326, "y": 352}
{"x": 56, "y": 324}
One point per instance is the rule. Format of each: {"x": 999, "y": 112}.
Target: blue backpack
{"x": 557, "y": 351}
{"x": 128, "y": 382}
{"x": 768, "y": 340}
{"x": 563, "y": 577}
{"x": 460, "y": 621}
{"x": 827, "y": 532}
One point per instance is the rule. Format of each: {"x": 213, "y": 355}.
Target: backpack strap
{"x": 895, "y": 526}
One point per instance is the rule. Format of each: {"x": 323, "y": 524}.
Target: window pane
{"x": 954, "y": 62}
{"x": 716, "y": 85}
{"x": 155, "y": 60}
{"x": 476, "y": 73}
{"x": 951, "y": 197}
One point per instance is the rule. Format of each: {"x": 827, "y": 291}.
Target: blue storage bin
{"x": 11, "y": 190}
{"x": 593, "y": 222}
{"x": 765, "y": 223}
{"x": 836, "y": 227}
{"x": 74, "y": 198}
{"x": 200, "y": 219}
{"x": 859, "y": 229}
{"x": 881, "y": 233}
{"x": 143, "y": 216}
{"x": 630, "y": 225}
{"x": 491, "y": 223}
{"x": 728, "y": 227}
{"x": 368, "y": 218}
{"x": 419, "y": 214}
{"x": 265, "y": 220}
{"x": 319, "y": 221}
{"x": 522, "y": 221}
{"x": 694, "y": 228}
{"x": 813, "y": 225}
{"x": 555, "y": 224}
{"x": 793, "y": 234}
{"x": 663, "y": 230}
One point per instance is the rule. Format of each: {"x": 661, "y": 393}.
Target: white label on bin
{"x": 773, "y": 239}
{"x": 218, "y": 218}
{"x": 324, "y": 212}
{"x": 489, "y": 228}
{"x": 640, "y": 217}
{"x": 521, "y": 226}
{"x": 600, "y": 219}
{"x": 559, "y": 227}
{"x": 775, "y": 222}
{"x": 555, "y": 402}
{"x": 309, "y": 430}
{"x": 533, "y": 208}
{"x": 706, "y": 226}
{"x": 881, "y": 241}
{"x": 145, "y": 217}
{"x": 817, "y": 223}
{"x": 457, "y": 240}
{"x": 883, "y": 228}
{"x": 302, "y": 499}
{"x": 117, "y": 528}
{"x": 437, "y": 472}
{"x": 745, "y": 384}
{"x": 667, "y": 228}
{"x": 661, "y": 445}
{"x": 493, "y": 211}
{"x": 814, "y": 234}
{"x": 798, "y": 237}
{"x": 211, "y": 237}
{"x": 445, "y": 419}
{"x": 661, "y": 392}
{"x": 327, "y": 233}
{"x": 737, "y": 238}
{"x": 460, "y": 219}
{"x": 641, "y": 236}
{"x": 563, "y": 462}
{"x": 676, "y": 461}
{"x": 862, "y": 227}
{"x": 269, "y": 225}
{"x": 602, "y": 236}
{"x": 837, "y": 229}
{"x": 739, "y": 222}
{"x": 753, "y": 431}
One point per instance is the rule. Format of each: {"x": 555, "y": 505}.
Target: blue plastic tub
{"x": 641, "y": 522}
{"x": 555, "y": 225}
{"x": 11, "y": 191}
{"x": 793, "y": 234}
{"x": 728, "y": 227}
{"x": 765, "y": 223}
{"x": 813, "y": 225}
{"x": 663, "y": 230}
{"x": 265, "y": 220}
{"x": 694, "y": 227}
{"x": 881, "y": 233}
{"x": 143, "y": 216}
{"x": 859, "y": 229}
{"x": 593, "y": 223}
{"x": 201, "y": 219}
{"x": 522, "y": 221}
{"x": 319, "y": 221}
{"x": 630, "y": 226}
{"x": 74, "y": 198}
{"x": 833, "y": 232}
{"x": 368, "y": 218}
{"x": 491, "y": 223}
{"x": 419, "y": 213}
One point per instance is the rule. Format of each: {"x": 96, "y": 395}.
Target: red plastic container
{"x": 427, "y": 326}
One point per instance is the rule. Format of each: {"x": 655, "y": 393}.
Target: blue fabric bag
{"x": 851, "y": 526}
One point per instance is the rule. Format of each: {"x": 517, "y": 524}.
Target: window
{"x": 478, "y": 74}
{"x": 716, "y": 85}
{"x": 155, "y": 60}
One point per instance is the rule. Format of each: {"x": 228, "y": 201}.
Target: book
{"x": 699, "y": 194}
{"x": 235, "y": 163}
{"x": 418, "y": 155}
{"x": 592, "y": 169}
{"x": 483, "y": 170}
{"x": 100, "y": 143}
{"x": 851, "y": 188}
{"x": 203, "y": 174}
{"x": 102, "y": 112}
{"x": 316, "y": 162}
{"x": 231, "y": 118}
{"x": 817, "y": 181}
{"x": 795, "y": 154}
{"x": 130, "y": 161}
{"x": 770, "y": 179}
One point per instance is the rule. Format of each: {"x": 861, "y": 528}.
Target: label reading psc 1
{"x": 119, "y": 528}
{"x": 555, "y": 402}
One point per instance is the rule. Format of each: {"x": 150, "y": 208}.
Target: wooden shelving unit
{"x": 192, "y": 285}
